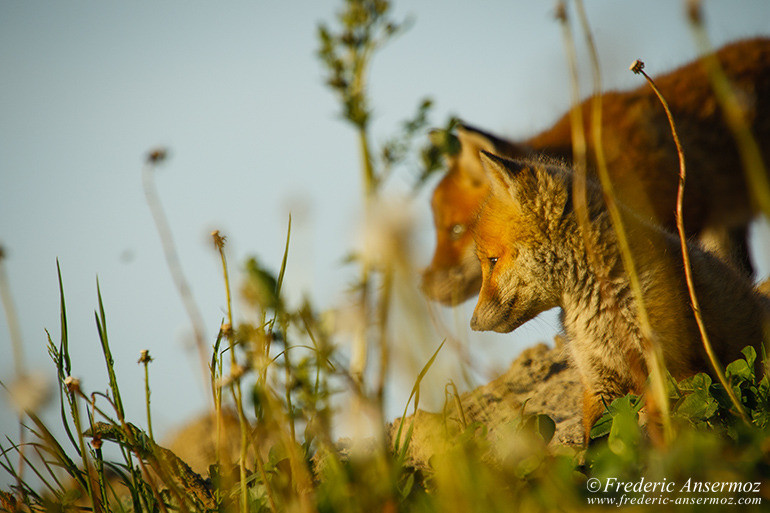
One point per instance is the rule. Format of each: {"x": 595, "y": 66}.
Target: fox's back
{"x": 639, "y": 147}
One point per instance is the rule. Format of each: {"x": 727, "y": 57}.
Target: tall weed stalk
{"x": 652, "y": 349}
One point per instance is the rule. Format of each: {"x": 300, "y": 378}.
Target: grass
{"x": 285, "y": 370}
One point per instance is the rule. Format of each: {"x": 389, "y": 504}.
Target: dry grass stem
{"x": 735, "y": 112}
{"x": 172, "y": 259}
{"x": 638, "y": 67}
{"x": 579, "y": 146}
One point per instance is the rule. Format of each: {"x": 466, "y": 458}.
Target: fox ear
{"x": 473, "y": 138}
{"x": 502, "y": 173}
{"x": 473, "y": 141}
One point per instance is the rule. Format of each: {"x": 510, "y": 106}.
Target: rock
{"x": 540, "y": 381}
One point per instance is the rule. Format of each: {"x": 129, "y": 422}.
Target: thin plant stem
{"x": 73, "y": 390}
{"x": 579, "y": 146}
{"x": 735, "y": 113}
{"x": 238, "y": 397}
{"x": 219, "y": 243}
{"x": 288, "y": 387}
{"x": 638, "y": 67}
{"x": 370, "y": 179}
{"x": 370, "y": 182}
{"x": 169, "y": 251}
{"x": 216, "y": 395}
{"x": 282, "y": 319}
{"x": 384, "y": 311}
{"x": 12, "y": 318}
{"x": 652, "y": 346}
{"x": 145, "y": 360}
{"x": 17, "y": 347}
{"x": 132, "y": 445}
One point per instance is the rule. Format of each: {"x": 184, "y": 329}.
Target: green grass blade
{"x": 283, "y": 262}
{"x": 61, "y": 357}
{"x": 101, "y": 324}
{"x": 416, "y": 395}
{"x": 53, "y": 447}
{"x": 64, "y": 347}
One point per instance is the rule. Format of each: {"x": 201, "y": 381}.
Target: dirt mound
{"x": 540, "y": 380}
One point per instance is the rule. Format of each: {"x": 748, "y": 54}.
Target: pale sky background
{"x": 235, "y": 91}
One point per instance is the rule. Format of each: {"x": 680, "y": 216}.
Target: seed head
{"x": 637, "y": 66}
{"x": 157, "y": 155}
{"x": 72, "y": 384}
{"x": 694, "y": 12}
{"x": 560, "y": 13}
{"x": 97, "y": 442}
{"x": 144, "y": 356}
{"x": 219, "y": 240}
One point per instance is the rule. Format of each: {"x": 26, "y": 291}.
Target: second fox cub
{"x": 642, "y": 162}
{"x": 533, "y": 257}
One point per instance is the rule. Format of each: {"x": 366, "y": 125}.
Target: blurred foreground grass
{"x": 275, "y": 376}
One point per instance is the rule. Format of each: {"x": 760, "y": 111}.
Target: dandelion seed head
{"x": 30, "y": 392}
{"x": 157, "y": 155}
{"x": 387, "y": 232}
{"x": 144, "y": 356}
{"x": 219, "y": 239}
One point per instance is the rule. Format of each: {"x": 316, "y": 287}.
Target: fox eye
{"x": 492, "y": 262}
{"x": 456, "y": 230}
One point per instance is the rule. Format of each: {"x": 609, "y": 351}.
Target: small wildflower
{"x": 72, "y": 384}
{"x": 219, "y": 240}
{"x": 637, "y": 66}
{"x": 144, "y": 356}
{"x": 157, "y": 155}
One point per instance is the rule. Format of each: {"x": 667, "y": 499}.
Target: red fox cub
{"x": 642, "y": 162}
{"x": 533, "y": 257}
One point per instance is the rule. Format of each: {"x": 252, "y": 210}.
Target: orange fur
{"x": 642, "y": 162}
{"x": 534, "y": 257}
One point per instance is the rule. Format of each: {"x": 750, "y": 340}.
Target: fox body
{"x": 642, "y": 162}
{"x": 534, "y": 257}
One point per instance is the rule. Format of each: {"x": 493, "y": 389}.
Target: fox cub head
{"x": 454, "y": 275}
{"x": 520, "y": 235}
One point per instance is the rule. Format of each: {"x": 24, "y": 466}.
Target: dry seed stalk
{"x": 638, "y": 68}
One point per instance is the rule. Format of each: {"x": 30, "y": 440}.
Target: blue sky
{"x": 235, "y": 91}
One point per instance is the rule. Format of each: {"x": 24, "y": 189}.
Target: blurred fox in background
{"x": 534, "y": 257}
{"x": 642, "y": 162}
